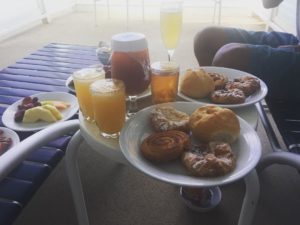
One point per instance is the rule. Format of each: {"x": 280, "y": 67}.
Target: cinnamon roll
{"x": 165, "y": 146}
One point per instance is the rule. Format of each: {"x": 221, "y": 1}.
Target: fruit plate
{"x": 231, "y": 74}
{"x": 247, "y": 149}
{"x": 8, "y": 115}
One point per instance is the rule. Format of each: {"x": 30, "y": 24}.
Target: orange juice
{"x": 164, "y": 82}
{"x": 82, "y": 81}
{"x": 109, "y": 104}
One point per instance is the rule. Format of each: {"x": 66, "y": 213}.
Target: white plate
{"x": 8, "y": 115}
{"x": 247, "y": 149}
{"x": 8, "y": 133}
{"x": 231, "y": 74}
{"x": 70, "y": 86}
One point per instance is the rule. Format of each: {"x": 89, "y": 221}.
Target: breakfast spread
{"x": 168, "y": 118}
{"x": 5, "y": 142}
{"x": 214, "y": 127}
{"x": 219, "y": 89}
{"x": 32, "y": 110}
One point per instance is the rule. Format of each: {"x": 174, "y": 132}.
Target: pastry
{"x": 165, "y": 146}
{"x": 196, "y": 83}
{"x": 212, "y": 160}
{"x": 168, "y": 118}
{"x": 214, "y": 123}
{"x": 219, "y": 79}
{"x": 231, "y": 96}
{"x": 247, "y": 84}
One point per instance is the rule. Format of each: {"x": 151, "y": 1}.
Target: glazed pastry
{"x": 248, "y": 84}
{"x": 214, "y": 123}
{"x": 219, "y": 79}
{"x": 168, "y": 118}
{"x": 165, "y": 146}
{"x": 231, "y": 96}
{"x": 212, "y": 160}
{"x": 197, "y": 84}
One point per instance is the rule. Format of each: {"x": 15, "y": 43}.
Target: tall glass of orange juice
{"x": 164, "y": 81}
{"x": 82, "y": 80}
{"x": 109, "y": 104}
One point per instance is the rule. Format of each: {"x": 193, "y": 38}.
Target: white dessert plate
{"x": 8, "y": 133}
{"x": 231, "y": 74}
{"x": 8, "y": 115}
{"x": 247, "y": 149}
{"x": 70, "y": 86}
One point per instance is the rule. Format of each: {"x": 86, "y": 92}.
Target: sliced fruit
{"x": 54, "y": 111}
{"x": 60, "y": 105}
{"x": 38, "y": 113}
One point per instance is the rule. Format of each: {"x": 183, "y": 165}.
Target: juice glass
{"x": 109, "y": 104}
{"x": 164, "y": 81}
{"x": 82, "y": 80}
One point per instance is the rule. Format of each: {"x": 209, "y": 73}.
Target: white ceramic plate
{"x": 247, "y": 149}
{"x": 70, "y": 86}
{"x": 8, "y": 115}
{"x": 231, "y": 74}
{"x": 8, "y": 133}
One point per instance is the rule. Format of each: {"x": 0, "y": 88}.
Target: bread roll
{"x": 213, "y": 123}
{"x": 197, "y": 83}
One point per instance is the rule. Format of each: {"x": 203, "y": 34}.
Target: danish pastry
{"x": 247, "y": 84}
{"x": 211, "y": 160}
{"x": 165, "y": 146}
{"x": 219, "y": 79}
{"x": 168, "y": 118}
{"x": 231, "y": 96}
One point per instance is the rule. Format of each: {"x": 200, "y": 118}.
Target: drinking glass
{"x": 103, "y": 53}
{"x": 164, "y": 81}
{"x": 130, "y": 63}
{"x": 109, "y": 106}
{"x": 170, "y": 24}
{"x": 82, "y": 80}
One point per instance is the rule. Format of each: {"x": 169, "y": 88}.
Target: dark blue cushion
{"x": 60, "y": 143}
{"x": 16, "y": 190}
{"x": 9, "y": 210}
{"x": 31, "y": 171}
{"x": 46, "y": 155}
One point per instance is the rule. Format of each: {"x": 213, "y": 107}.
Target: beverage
{"x": 170, "y": 27}
{"x": 130, "y": 63}
{"x": 82, "y": 81}
{"x": 170, "y": 24}
{"x": 133, "y": 69}
{"x": 164, "y": 81}
{"x": 109, "y": 105}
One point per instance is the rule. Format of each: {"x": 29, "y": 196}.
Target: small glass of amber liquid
{"x": 164, "y": 81}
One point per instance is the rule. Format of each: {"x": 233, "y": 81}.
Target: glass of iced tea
{"x": 164, "y": 81}
{"x": 82, "y": 80}
{"x": 130, "y": 63}
{"x": 109, "y": 104}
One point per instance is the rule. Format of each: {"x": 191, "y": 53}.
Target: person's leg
{"x": 208, "y": 41}
{"x": 278, "y": 68}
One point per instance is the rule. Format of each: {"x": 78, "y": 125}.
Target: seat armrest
{"x": 12, "y": 158}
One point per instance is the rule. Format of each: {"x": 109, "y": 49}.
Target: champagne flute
{"x": 171, "y": 24}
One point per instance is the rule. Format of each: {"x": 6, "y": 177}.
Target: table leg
{"x": 74, "y": 178}
{"x": 250, "y": 199}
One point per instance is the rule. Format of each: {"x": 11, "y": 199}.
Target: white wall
{"x": 19, "y": 15}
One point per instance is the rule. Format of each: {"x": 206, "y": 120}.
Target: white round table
{"x": 111, "y": 149}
